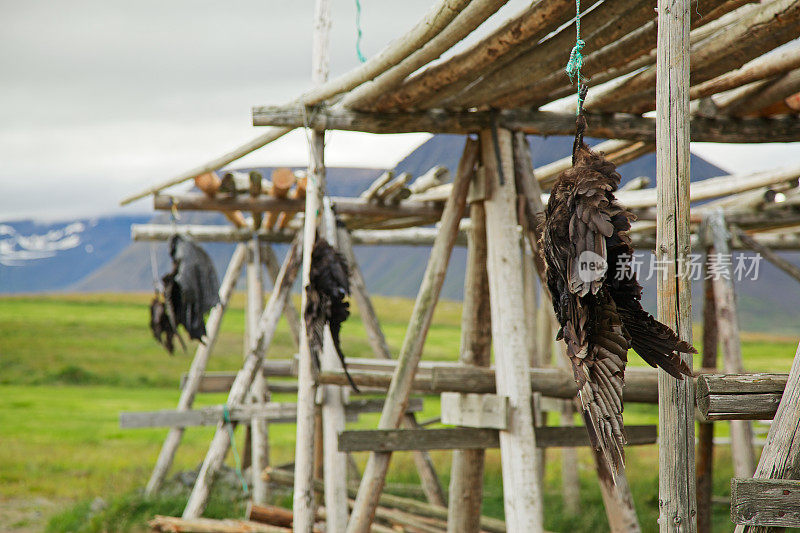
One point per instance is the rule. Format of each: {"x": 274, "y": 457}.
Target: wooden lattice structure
{"x": 715, "y": 70}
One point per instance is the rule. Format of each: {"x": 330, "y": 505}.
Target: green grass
{"x": 69, "y": 364}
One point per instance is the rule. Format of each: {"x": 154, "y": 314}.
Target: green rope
{"x": 358, "y": 27}
{"x": 576, "y": 57}
{"x": 226, "y": 417}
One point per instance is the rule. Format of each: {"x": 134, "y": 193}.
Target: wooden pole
{"x": 270, "y": 260}
{"x": 374, "y": 475}
{"x": 677, "y": 504}
{"x": 466, "y": 474}
{"x": 705, "y": 430}
{"x": 780, "y": 458}
{"x": 259, "y": 427}
{"x": 195, "y": 375}
{"x": 244, "y": 378}
{"x": 769, "y": 255}
{"x": 333, "y": 417}
{"x": 303, "y": 503}
{"x": 744, "y": 457}
{"x": 522, "y": 497}
{"x": 422, "y": 459}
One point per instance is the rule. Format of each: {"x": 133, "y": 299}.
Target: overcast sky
{"x": 101, "y": 98}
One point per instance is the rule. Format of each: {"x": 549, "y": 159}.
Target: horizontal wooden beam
{"x": 391, "y": 440}
{"x": 608, "y": 125}
{"x": 639, "y": 382}
{"x": 208, "y": 416}
{"x": 765, "y": 502}
{"x": 265, "y": 203}
{"x": 219, "y": 233}
{"x": 274, "y": 412}
{"x": 739, "y": 396}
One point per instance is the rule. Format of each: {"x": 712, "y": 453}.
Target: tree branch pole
{"x": 744, "y": 456}
{"x": 677, "y": 503}
{"x": 705, "y": 430}
{"x": 244, "y": 378}
{"x": 332, "y": 398}
{"x": 259, "y": 427}
{"x": 195, "y": 375}
{"x": 466, "y": 474}
{"x": 397, "y": 397}
{"x": 270, "y": 260}
{"x": 303, "y": 503}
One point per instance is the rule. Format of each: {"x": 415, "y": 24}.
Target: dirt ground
{"x": 25, "y": 515}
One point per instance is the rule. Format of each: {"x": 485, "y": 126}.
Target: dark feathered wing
{"x": 329, "y": 285}
{"x": 596, "y": 296}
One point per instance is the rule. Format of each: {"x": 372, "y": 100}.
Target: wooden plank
{"x": 474, "y": 410}
{"x": 377, "y": 465}
{"x": 208, "y": 416}
{"x": 744, "y": 455}
{"x": 609, "y": 125}
{"x": 173, "y": 524}
{"x": 191, "y": 384}
{"x": 522, "y": 497}
{"x": 390, "y": 440}
{"x": 677, "y": 492}
{"x": 780, "y": 457}
{"x": 765, "y": 502}
{"x": 274, "y": 412}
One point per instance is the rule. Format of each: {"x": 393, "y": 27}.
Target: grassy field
{"x": 70, "y": 363}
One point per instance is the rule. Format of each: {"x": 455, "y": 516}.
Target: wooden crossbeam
{"x": 609, "y": 126}
{"x": 208, "y": 416}
{"x": 274, "y": 412}
{"x": 392, "y": 440}
{"x": 765, "y": 502}
{"x": 740, "y": 396}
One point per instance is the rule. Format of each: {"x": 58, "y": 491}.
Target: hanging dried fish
{"x": 329, "y": 285}
{"x": 191, "y": 289}
{"x": 596, "y": 295}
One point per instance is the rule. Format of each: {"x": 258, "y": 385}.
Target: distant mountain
{"x": 38, "y": 257}
{"x": 105, "y": 259}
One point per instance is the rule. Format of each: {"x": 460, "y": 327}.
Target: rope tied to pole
{"x": 575, "y": 63}
{"x": 226, "y": 418}
{"x": 358, "y": 29}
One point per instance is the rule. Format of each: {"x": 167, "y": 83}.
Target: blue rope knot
{"x": 575, "y": 63}
{"x": 226, "y": 418}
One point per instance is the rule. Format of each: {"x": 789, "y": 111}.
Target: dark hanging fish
{"x": 329, "y": 285}
{"x": 163, "y": 328}
{"x": 191, "y": 289}
{"x": 596, "y": 295}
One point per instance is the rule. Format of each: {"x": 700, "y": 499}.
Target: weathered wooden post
{"x": 705, "y": 430}
{"x": 303, "y": 504}
{"x": 677, "y": 504}
{"x": 744, "y": 456}
{"x": 259, "y": 428}
{"x": 374, "y": 475}
{"x": 466, "y": 474}
{"x": 195, "y": 374}
{"x": 521, "y": 494}
{"x": 333, "y": 421}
